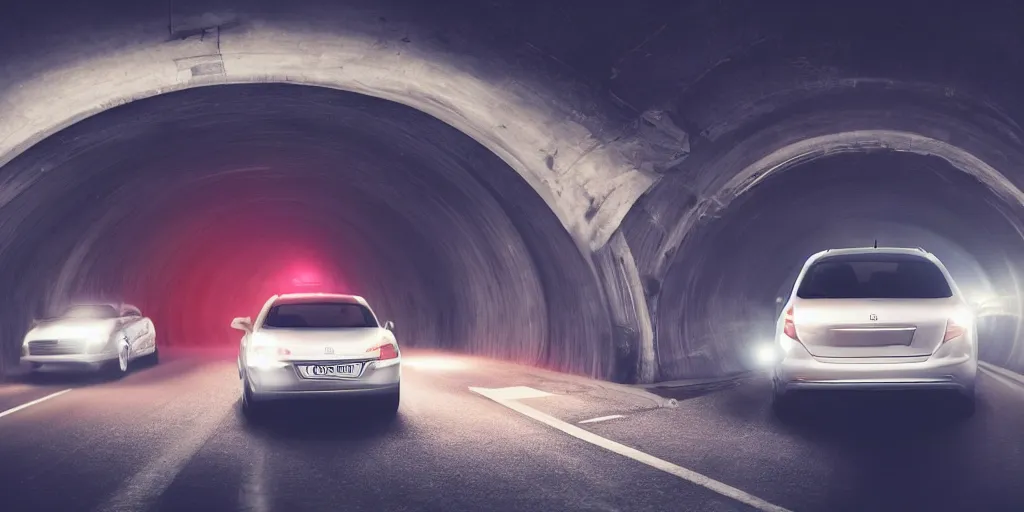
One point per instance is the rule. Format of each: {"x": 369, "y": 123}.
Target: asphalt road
{"x": 474, "y": 435}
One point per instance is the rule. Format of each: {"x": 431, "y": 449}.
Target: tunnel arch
{"x": 977, "y": 142}
{"x": 557, "y": 141}
{"x": 157, "y": 199}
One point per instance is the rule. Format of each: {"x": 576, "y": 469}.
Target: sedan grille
{"x": 55, "y": 347}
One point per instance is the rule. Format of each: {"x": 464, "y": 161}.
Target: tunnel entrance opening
{"x": 737, "y": 266}
{"x": 197, "y": 205}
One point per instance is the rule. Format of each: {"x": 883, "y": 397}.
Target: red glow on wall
{"x": 307, "y": 279}
{"x": 305, "y": 276}
{"x": 206, "y": 281}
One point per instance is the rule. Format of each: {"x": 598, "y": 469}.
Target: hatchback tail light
{"x": 789, "y": 327}
{"x": 271, "y": 351}
{"x": 953, "y": 330}
{"x": 387, "y": 350}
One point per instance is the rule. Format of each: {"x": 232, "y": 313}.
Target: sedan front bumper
{"x": 80, "y": 359}
{"x": 93, "y": 361}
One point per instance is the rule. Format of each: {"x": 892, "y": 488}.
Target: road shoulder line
{"x": 632, "y": 453}
{"x": 13, "y": 410}
{"x": 1003, "y": 372}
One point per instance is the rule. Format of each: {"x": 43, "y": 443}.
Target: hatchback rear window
{"x": 874, "y": 276}
{"x": 319, "y": 315}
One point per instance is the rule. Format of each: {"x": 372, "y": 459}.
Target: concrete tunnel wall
{"x": 669, "y": 107}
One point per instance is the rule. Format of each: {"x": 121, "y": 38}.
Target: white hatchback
{"x": 876, "y": 319}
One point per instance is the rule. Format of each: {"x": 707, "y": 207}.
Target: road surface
{"x": 479, "y": 435}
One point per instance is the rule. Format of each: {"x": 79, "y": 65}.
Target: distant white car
{"x": 876, "y": 319}
{"x": 313, "y": 344}
{"x": 93, "y": 337}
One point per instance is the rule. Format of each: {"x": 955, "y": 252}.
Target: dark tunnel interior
{"x": 584, "y": 219}
{"x": 199, "y": 205}
{"x": 720, "y": 294}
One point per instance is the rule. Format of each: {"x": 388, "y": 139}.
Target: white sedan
{"x": 314, "y": 344}
{"x": 91, "y": 336}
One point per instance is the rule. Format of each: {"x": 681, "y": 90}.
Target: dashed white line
{"x": 632, "y": 453}
{"x": 602, "y": 418}
{"x": 141, "y": 490}
{"x": 33, "y": 402}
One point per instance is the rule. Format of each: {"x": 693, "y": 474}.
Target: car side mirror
{"x": 242, "y": 323}
{"x": 389, "y": 325}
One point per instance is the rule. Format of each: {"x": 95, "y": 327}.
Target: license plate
{"x": 330, "y": 371}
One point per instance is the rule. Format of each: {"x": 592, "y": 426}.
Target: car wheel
{"x": 35, "y": 373}
{"x": 154, "y": 358}
{"x": 249, "y": 405}
{"x": 964, "y": 404}
{"x": 782, "y": 403}
{"x": 389, "y": 404}
{"x": 119, "y": 368}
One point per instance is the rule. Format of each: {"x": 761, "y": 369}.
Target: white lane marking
{"x": 1003, "y": 372}
{"x": 33, "y": 402}
{"x": 254, "y": 492}
{"x": 517, "y": 393}
{"x": 632, "y": 453}
{"x": 602, "y": 418}
{"x": 1002, "y": 380}
{"x": 151, "y": 481}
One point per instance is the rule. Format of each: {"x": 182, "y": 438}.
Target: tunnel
{"x": 581, "y": 199}
{"x": 584, "y": 219}
{"x": 198, "y": 205}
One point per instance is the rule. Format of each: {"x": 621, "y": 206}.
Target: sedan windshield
{"x": 319, "y": 315}
{"x": 96, "y": 311}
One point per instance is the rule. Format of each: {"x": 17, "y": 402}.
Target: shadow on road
{"x": 141, "y": 371}
{"x": 695, "y": 390}
{"x": 863, "y": 416}
{"x": 321, "y": 420}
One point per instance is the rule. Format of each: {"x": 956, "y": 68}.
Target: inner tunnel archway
{"x": 720, "y": 295}
{"x": 199, "y": 204}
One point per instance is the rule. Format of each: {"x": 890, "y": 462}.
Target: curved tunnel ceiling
{"x": 198, "y": 205}
{"x": 633, "y": 125}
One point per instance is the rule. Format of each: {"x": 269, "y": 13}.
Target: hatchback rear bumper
{"x": 941, "y": 373}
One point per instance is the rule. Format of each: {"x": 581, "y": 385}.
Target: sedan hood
{"x": 72, "y": 328}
